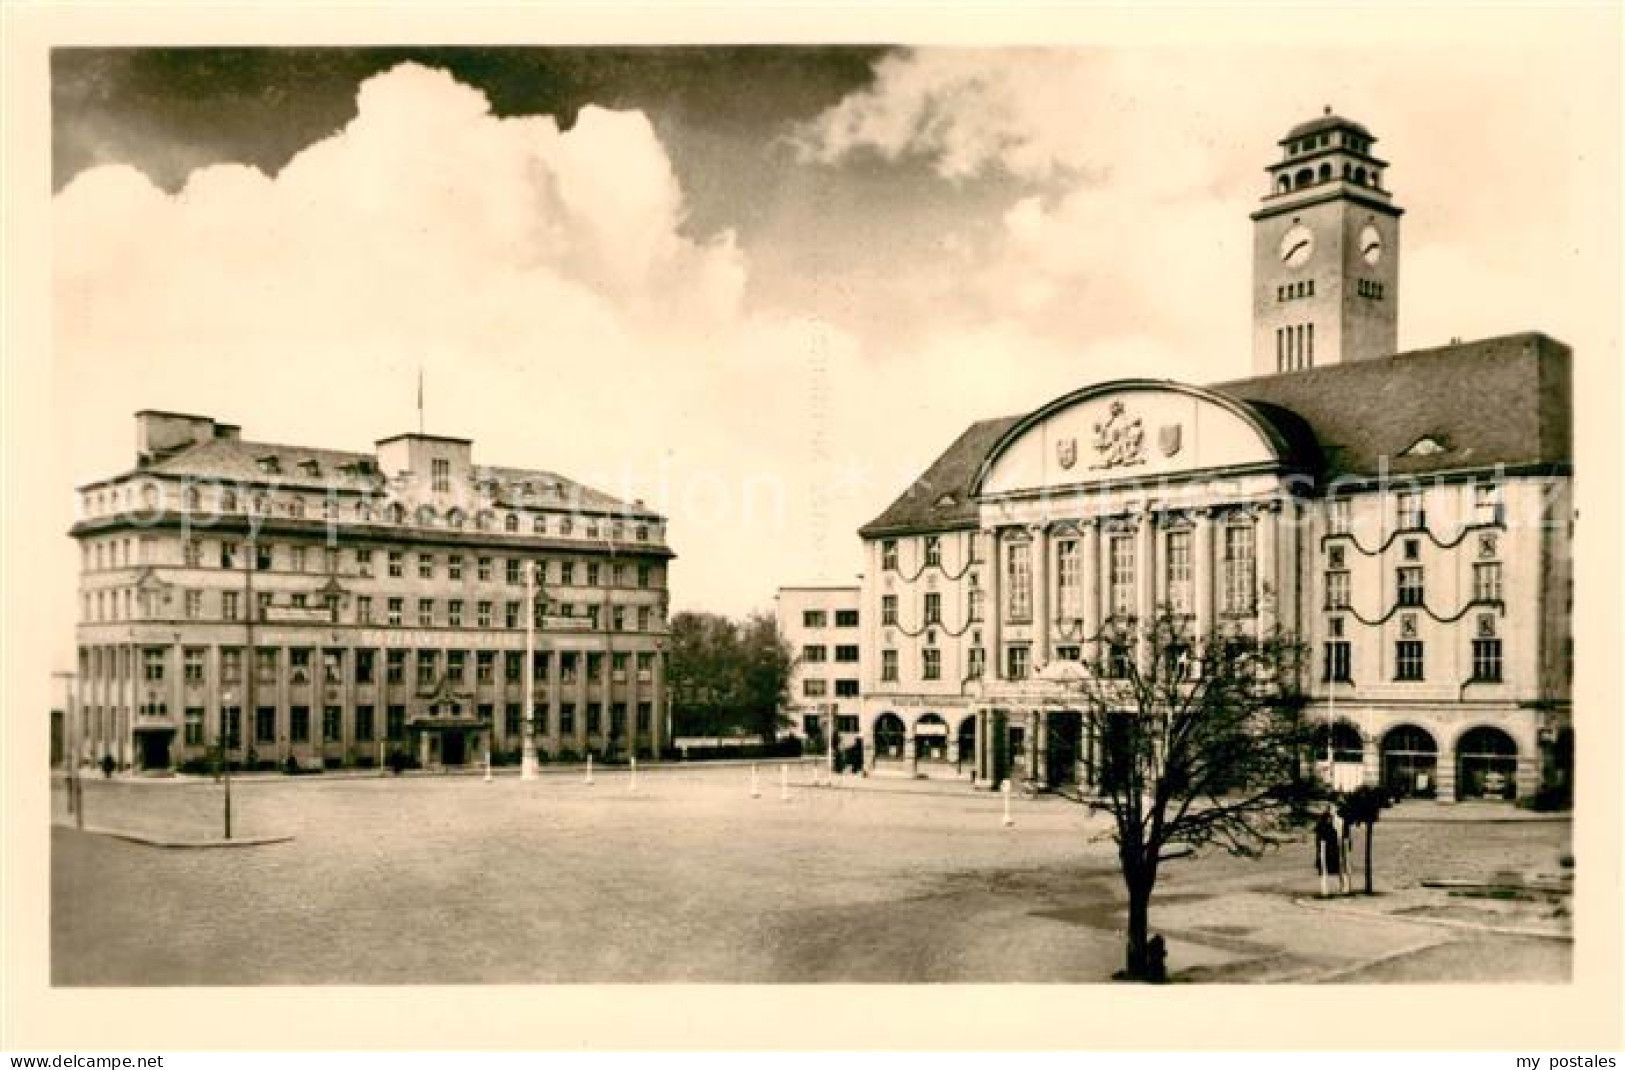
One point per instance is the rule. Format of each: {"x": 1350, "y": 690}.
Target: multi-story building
{"x": 333, "y": 607}
{"x": 1405, "y": 516}
{"x": 821, "y": 625}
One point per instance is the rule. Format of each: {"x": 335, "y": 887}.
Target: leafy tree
{"x": 726, "y": 675}
{"x": 1363, "y": 806}
{"x": 766, "y": 662}
{"x": 703, "y": 647}
{"x": 1199, "y": 741}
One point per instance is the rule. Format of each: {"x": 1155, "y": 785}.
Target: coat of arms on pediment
{"x": 1066, "y": 452}
{"x": 1119, "y": 438}
{"x": 1168, "y": 439}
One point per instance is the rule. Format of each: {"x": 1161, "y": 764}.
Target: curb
{"x": 1337, "y": 973}
{"x": 464, "y": 772}
{"x": 1531, "y": 819}
{"x": 1447, "y": 923}
{"x": 154, "y": 841}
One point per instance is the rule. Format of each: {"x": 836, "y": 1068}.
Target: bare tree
{"x": 1198, "y": 740}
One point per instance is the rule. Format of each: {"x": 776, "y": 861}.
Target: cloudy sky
{"x": 760, "y": 287}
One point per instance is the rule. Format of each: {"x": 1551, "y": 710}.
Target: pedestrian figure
{"x": 1156, "y": 960}
{"x": 1328, "y": 851}
{"x": 1345, "y": 850}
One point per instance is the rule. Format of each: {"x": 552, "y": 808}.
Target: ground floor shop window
{"x": 1410, "y": 763}
{"x": 1486, "y": 765}
{"x": 889, "y": 736}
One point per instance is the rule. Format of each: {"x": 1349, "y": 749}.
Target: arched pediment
{"x": 1128, "y": 430}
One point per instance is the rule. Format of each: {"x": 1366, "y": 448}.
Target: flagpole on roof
{"x": 420, "y": 399}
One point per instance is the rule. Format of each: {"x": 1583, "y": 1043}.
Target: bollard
{"x": 488, "y": 765}
{"x": 755, "y": 783}
{"x": 589, "y": 769}
{"x": 632, "y": 787}
{"x": 784, "y": 783}
{"x": 1009, "y": 822}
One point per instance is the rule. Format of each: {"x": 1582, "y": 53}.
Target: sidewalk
{"x": 1429, "y": 810}
{"x": 575, "y": 769}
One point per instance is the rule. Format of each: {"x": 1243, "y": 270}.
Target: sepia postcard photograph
{"x": 542, "y": 506}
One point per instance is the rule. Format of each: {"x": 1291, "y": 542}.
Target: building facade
{"x": 821, "y": 623}
{"x": 1405, "y": 516}
{"x": 335, "y": 607}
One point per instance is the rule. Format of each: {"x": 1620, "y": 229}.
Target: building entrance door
{"x": 453, "y": 748}
{"x": 155, "y": 749}
{"x": 1065, "y": 741}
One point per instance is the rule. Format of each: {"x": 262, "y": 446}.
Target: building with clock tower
{"x": 1405, "y": 516}
{"x": 1325, "y": 252}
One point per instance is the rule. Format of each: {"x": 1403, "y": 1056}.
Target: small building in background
{"x": 820, "y": 622}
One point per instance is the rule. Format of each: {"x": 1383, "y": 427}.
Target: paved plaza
{"x": 449, "y": 879}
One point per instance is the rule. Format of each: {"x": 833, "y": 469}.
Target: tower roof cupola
{"x": 1325, "y": 153}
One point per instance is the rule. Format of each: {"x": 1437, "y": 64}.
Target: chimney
{"x": 160, "y": 435}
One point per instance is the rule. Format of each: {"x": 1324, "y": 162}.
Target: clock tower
{"x": 1325, "y": 252}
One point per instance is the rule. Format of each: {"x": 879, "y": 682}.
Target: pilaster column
{"x": 1041, "y": 598}
{"x": 177, "y": 702}
{"x": 1090, "y": 592}
{"x": 1145, "y": 588}
{"x": 380, "y": 704}
{"x": 979, "y": 748}
{"x": 632, "y": 691}
{"x": 994, "y": 668}
{"x": 1202, "y": 573}
{"x": 1267, "y": 573}
{"x": 1031, "y": 745}
{"x": 554, "y": 743}
{"x": 1444, "y": 772}
{"x": 581, "y": 702}
{"x": 283, "y": 744}
{"x": 657, "y": 708}
{"x": 1041, "y": 747}
{"x": 347, "y": 694}
{"x": 606, "y": 684}
{"x": 214, "y": 702}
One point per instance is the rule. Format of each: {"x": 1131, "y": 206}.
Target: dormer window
{"x": 454, "y": 518}
{"x": 269, "y": 464}
{"x": 311, "y": 468}
{"x": 426, "y": 516}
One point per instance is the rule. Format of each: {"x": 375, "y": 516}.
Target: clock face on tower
{"x": 1371, "y": 244}
{"x": 1296, "y": 245}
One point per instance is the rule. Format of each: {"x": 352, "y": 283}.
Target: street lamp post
{"x": 527, "y": 761}
{"x": 225, "y": 756}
